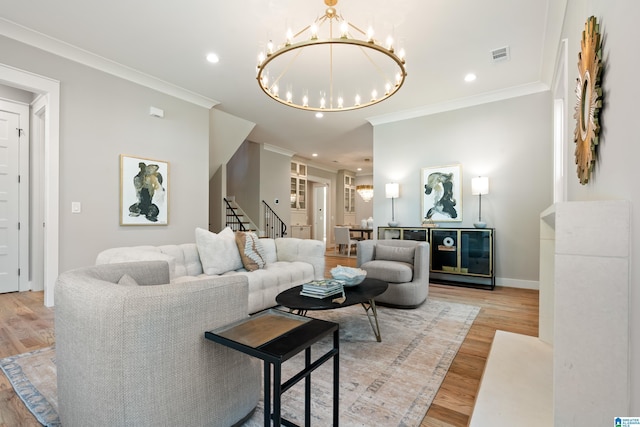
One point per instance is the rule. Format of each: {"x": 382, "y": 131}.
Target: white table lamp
{"x": 391, "y": 191}
{"x": 479, "y": 186}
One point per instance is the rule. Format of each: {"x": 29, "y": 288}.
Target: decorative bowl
{"x": 350, "y": 276}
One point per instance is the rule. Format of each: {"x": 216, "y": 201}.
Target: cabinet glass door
{"x": 414, "y": 234}
{"x": 294, "y": 193}
{"x": 444, "y": 250}
{"x": 475, "y": 255}
{"x": 302, "y": 189}
{"x": 352, "y": 200}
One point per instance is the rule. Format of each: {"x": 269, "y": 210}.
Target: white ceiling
{"x": 444, "y": 40}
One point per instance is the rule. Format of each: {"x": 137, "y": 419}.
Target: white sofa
{"x": 131, "y": 351}
{"x": 289, "y": 262}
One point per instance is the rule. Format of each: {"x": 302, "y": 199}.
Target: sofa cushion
{"x": 270, "y": 254}
{"x": 250, "y": 250}
{"x": 395, "y": 253}
{"x": 127, "y": 280}
{"x": 218, "y": 252}
{"x": 137, "y": 253}
{"x": 266, "y": 283}
{"x": 389, "y": 271}
{"x": 186, "y": 257}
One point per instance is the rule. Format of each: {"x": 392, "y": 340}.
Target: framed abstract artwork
{"x": 441, "y": 188}
{"x": 144, "y": 191}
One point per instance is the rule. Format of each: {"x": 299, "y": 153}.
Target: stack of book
{"x": 322, "y": 288}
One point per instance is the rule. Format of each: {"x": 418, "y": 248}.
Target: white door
{"x": 320, "y": 213}
{"x": 9, "y": 213}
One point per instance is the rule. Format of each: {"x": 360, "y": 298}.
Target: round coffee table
{"x": 362, "y": 294}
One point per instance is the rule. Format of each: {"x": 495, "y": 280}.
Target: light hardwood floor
{"x": 26, "y": 325}
{"x": 507, "y": 309}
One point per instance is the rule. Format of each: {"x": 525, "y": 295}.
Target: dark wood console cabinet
{"x": 462, "y": 256}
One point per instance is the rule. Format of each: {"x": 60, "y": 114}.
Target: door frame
{"x": 561, "y": 158}
{"x": 317, "y": 188}
{"x": 314, "y": 180}
{"x": 49, "y": 90}
{"x": 36, "y": 180}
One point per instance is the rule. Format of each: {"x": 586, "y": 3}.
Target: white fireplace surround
{"x": 577, "y": 373}
{"x": 584, "y": 308}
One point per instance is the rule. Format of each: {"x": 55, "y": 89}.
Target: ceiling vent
{"x": 501, "y": 54}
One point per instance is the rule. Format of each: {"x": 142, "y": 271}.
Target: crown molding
{"x": 456, "y": 104}
{"x": 321, "y": 167}
{"x": 278, "y": 150}
{"x": 65, "y": 50}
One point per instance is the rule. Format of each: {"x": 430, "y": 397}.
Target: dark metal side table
{"x": 275, "y": 336}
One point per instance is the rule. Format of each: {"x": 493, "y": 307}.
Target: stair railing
{"x": 233, "y": 221}
{"x": 273, "y": 225}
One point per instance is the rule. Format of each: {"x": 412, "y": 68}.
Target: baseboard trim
{"x": 517, "y": 283}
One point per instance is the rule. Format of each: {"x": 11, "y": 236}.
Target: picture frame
{"x": 441, "y": 188}
{"x": 144, "y": 191}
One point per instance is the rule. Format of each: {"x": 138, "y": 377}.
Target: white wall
{"x": 615, "y": 174}
{"x": 101, "y": 117}
{"x": 14, "y": 94}
{"x": 275, "y": 174}
{"x": 509, "y": 141}
{"x": 226, "y": 134}
{"x": 243, "y": 179}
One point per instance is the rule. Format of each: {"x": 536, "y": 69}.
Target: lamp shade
{"x": 479, "y": 185}
{"x": 392, "y": 190}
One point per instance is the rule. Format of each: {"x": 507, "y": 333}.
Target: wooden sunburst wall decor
{"x": 588, "y": 100}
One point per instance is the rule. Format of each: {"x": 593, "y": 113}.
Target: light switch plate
{"x": 76, "y": 207}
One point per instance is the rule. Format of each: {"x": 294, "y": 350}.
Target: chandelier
{"x": 322, "y": 68}
{"x": 365, "y": 191}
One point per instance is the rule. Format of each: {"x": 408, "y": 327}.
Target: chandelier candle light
{"x": 365, "y": 191}
{"x": 479, "y": 186}
{"x": 353, "y": 64}
{"x": 392, "y": 190}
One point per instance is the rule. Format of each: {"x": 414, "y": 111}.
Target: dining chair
{"x": 343, "y": 237}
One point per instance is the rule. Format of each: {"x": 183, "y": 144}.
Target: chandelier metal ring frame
{"x": 331, "y": 99}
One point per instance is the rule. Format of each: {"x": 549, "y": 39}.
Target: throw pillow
{"x": 218, "y": 252}
{"x": 251, "y": 251}
{"x": 127, "y": 280}
{"x": 395, "y": 253}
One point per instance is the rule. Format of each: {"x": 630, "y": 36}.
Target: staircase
{"x": 236, "y": 219}
{"x": 274, "y": 225}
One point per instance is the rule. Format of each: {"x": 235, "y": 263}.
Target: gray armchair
{"x": 128, "y": 354}
{"x": 404, "y": 264}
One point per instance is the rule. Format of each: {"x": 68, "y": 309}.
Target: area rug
{"x": 390, "y": 383}
{"x": 33, "y": 377}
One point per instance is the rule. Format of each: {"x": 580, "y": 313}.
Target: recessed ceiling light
{"x": 469, "y": 77}
{"x": 319, "y": 115}
{"x": 213, "y": 58}
{"x": 359, "y": 169}
{"x": 314, "y": 155}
